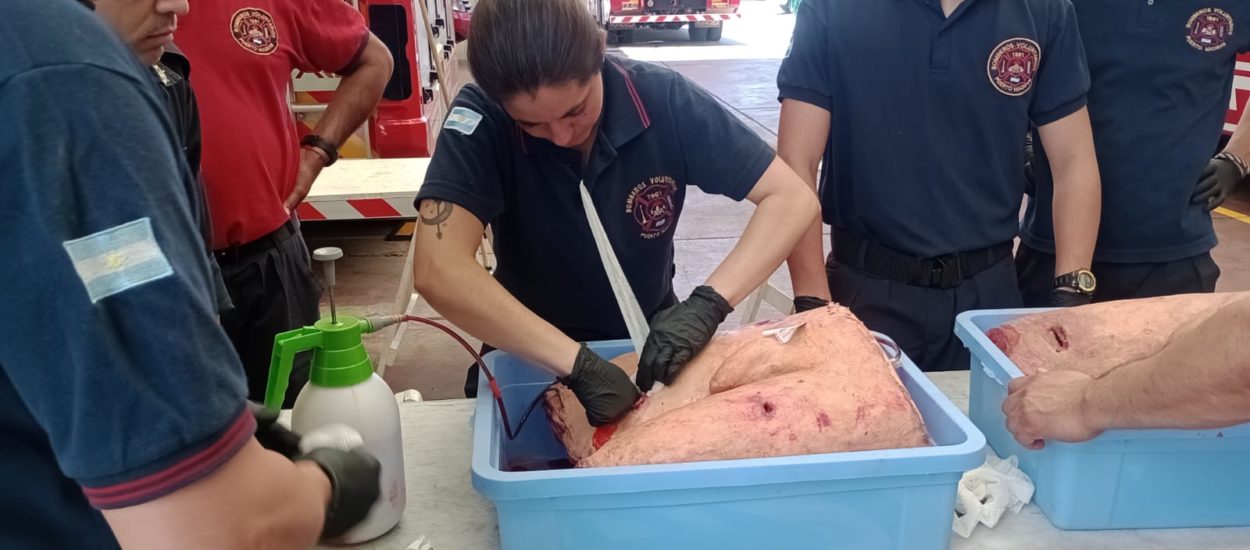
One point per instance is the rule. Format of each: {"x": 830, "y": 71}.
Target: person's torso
{"x": 637, "y": 180}
{"x": 1161, "y": 76}
{"x": 929, "y": 115}
{"x": 243, "y": 53}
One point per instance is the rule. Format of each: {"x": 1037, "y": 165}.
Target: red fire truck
{"x": 705, "y": 18}
{"x": 411, "y": 110}
{"x": 1241, "y": 94}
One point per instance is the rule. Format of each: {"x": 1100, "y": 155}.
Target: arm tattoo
{"x": 435, "y": 213}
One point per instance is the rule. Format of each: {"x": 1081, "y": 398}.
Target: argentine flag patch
{"x": 463, "y": 120}
{"x": 118, "y": 259}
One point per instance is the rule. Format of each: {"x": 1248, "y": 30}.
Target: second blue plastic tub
{"x": 1122, "y": 479}
{"x": 880, "y": 500}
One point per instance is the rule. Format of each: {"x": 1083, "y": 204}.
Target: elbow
{"x": 376, "y": 66}
{"x": 432, "y": 274}
{"x": 425, "y": 274}
{"x": 808, "y": 206}
{"x": 804, "y": 165}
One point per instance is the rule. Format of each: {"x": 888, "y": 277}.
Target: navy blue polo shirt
{"x": 117, "y": 386}
{"x": 928, "y": 113}
{"x": 658, "y": 134}
{"x": 1162, "y": 73}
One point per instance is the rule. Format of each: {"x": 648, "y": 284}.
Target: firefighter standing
{"x": 921, "y": 129}
{"x": 1161, "y": 77}
{"x": 256, "y": 168}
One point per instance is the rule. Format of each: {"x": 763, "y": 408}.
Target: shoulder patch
{"x": 118, "y": 259}
{"x": 463, "y": 120}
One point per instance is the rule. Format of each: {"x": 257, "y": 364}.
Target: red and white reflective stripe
{"x": 357, "y": 209}
{"x": 691, "y": 17}
{"x": 1240, "y": 96}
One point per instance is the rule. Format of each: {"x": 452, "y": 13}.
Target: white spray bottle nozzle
{"x": 326, "y": 256}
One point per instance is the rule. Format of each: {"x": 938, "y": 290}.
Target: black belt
{"x": 236, "y": 253}
{"x": 947, "y": 271}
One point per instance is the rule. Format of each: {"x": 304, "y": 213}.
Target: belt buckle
{"x": 949, "y": 273}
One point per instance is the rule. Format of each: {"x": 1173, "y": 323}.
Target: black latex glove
{"x": 1217, "y": 182}
{"x": 678, "y": 334}
{"x": 602, "y": 388}
{"x": 272, "y": 435}
{"x": 354, "y": 486}
{"x": 808, "y": 303}
{"x": 1067, "y": 298}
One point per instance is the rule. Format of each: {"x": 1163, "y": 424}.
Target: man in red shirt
{"x": 256, "y": 169}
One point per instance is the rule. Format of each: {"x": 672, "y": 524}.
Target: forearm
{"x": 356, "y": 95}
{"x": 780, "y": 219}
{"x": 1200, "y": 379}
{"x": 257, "y": 500}
{"x": 1078, "y": 190}
{"x": 806, "y": 262}
{"x": 1239, "y": 144}
{"x": 1077, "y": 208}
{"x": 460, "y": 290}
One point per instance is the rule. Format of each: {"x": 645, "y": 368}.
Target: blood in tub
{"x": 535, "y": 464}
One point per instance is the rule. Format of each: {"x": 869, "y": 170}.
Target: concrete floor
{"x": 741, "y": 72}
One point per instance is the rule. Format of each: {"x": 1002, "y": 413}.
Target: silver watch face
{"x": 1086, "y": 281}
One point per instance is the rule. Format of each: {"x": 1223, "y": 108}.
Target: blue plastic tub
{"x": 878, "y": 500}
{"x": 1123, "y": 479}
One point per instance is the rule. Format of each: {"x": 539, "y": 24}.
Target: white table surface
{"x": 369, "y": 179}
{"x": 443, "y": 506}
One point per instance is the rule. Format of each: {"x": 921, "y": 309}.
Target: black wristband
{"x": 314, "y": 140}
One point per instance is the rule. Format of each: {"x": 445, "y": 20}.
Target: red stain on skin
{"x": 822, "y": 421}
{"x": 1061, "y": 337}
{"x": 603, "y": 434}
{"x": 1004, "y": 337}
{"x": 767, "y": 408}
{"x": 794, "y": 437}
{"x": 860, "y": 413}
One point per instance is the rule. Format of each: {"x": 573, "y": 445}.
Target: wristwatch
{"x": 314, "y": 140}
{"x": 1081, "y": 280}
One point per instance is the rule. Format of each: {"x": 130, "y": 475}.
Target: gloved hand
{"x": 602, "y": 388}
{"x": 678, "y": 334}
{"x": 354, "y": 486}
{"x": 808, "y": 303}
{"x": 272, "y": 435}
{"x": 1217, "y": 182}
{"x": 1067, "y": 298}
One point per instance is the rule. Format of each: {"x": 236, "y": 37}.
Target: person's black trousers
{"x": 274, "y": 290}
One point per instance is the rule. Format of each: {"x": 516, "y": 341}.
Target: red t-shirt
{"x": 242, "y": 53}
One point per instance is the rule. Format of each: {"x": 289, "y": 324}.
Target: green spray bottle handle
{"x": 285, "y": 346}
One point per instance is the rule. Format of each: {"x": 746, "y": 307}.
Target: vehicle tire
{"x": 713, "y": 34}
{"x": 625, "y": 36}
{"x": 698, "y": 34}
